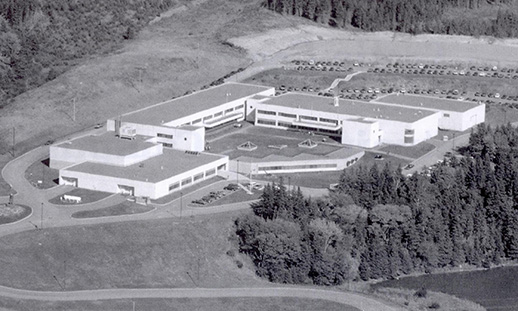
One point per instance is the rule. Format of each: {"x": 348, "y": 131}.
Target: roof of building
{"x": 428, "y": 102}
{"x": 341, "y": 153}
{"x": 107, "y": 143}
{"x": 349, "y": 107}
{"x": 170, "y": 163}
{"x": 196, "y": 102}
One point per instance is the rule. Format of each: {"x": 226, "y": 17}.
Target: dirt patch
{"x": 322, "y": 42}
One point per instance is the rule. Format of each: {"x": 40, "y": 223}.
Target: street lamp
{"x": 238, "y": 171}
{"x": 41, "y": 216}
{"x": 181, "y": 203}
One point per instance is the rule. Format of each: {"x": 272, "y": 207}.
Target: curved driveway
{"x": 57, "y": 216}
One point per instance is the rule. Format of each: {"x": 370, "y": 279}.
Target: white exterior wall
{"x": 192, "y": 140}
{"x": 473, "y": 117}
{"x": 108, "y": 184}
{"x": 258, "y": 168}
{"x": 61, "y": 157}
{"x": 392, "y": 132}
{"x": 426, "y": 128}
{"x": 142, "y": 188}
{"x": 360, "y": 133}
{"x": 162, "y": 187}
{"x": 220, "y": 108}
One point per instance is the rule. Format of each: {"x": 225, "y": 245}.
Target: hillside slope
{"x": 182, "y": 51}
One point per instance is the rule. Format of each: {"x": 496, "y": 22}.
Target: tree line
{"x": 40, "y": 39}
{"x": 455, "y": 17}
{"x": 381, "y": 224}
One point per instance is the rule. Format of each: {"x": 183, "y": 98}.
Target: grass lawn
{"x": 237, "y": 196}
{"x": 41, "y": 175}
{"x": 124, "y": 208}
{"x": 413, "y": 152}
{"x": 87, "y": 196}
{"x": 309, "y": 180}
{"x": 157, "y": 253}
{"x": 443, "y": 82}
{"x": 498, "y": 115}
{"x": 369, "y": 160}
{"x": 183, "y": 304}
{"x": 495, "y": 289}
{"x": 9, "y": 214}
{"x": 294, "y": 78}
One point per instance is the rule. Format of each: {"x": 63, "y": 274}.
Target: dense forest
{"x": 39, "y": 39}
{"x": 498, "y": 18}
{"x": 381, "y": 224}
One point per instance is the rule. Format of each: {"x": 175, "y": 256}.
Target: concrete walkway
{"x": 337, "y": 81}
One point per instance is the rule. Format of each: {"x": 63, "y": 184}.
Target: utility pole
{"x": 41, "y": 217}
{"x": 74, "y": 111}
{"x": 181, "y": 203}
{"x": 14, "y": 140}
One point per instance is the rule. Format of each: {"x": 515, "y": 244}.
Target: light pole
{"x": 181, "y": 203}
{"x": 237, "y": 172}
{"x": 41, "y": 216}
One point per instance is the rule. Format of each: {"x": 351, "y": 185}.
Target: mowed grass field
{"x": 495, "y": 289}
{"x": 159, "y": 253}
{"x": 183, "y": 304}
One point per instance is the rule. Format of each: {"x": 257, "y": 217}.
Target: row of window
{"x": 162, "y": 135}
{"x": 273, "y": 113}
{"x": 219, "y": 114}
{"x": 266, "y": 122}
{"x": 296, "y": 167}
{"x": 196, "y": 177}
{"x": 309, "y": 118}
{"x": 287, "y": 115}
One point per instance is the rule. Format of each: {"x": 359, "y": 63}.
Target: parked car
{"x": 408, "y": 166}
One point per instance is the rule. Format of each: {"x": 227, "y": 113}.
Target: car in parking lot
{"x": 408, "y": 166}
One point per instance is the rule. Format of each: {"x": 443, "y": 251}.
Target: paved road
{"x": 359, "y": 301}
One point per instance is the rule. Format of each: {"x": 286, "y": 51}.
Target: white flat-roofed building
{"x": 304, "y": 162}
{"x": 456, "y": 115}
{"x": 180, "y": 123}
{"x": 155, "y": 177}
{"x": 356, "y": 123}
{"x": 105, "y": 148}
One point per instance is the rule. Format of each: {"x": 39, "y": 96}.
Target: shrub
{"x": 239, "y": 264}
{"x": 231, "y": 253}
{"x": 434, "y": 305}
{"x": 421, "y": 293}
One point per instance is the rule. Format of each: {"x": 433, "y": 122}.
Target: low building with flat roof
{"x": 105, "y": 148}
{"x": 154, "y": 177}
{"x": 358, "y": 123}
{"x": 456, "y": 115}
{"x": 304, "y": 162}
{"x": 180, "y": 123}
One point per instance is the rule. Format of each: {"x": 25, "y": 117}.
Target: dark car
{"x": 409, "y": 166}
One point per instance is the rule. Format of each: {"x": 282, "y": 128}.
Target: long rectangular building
{"x": 456, "y": 115}
{"x": 363, "y": 124}
{"x": 180, "y": 123}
